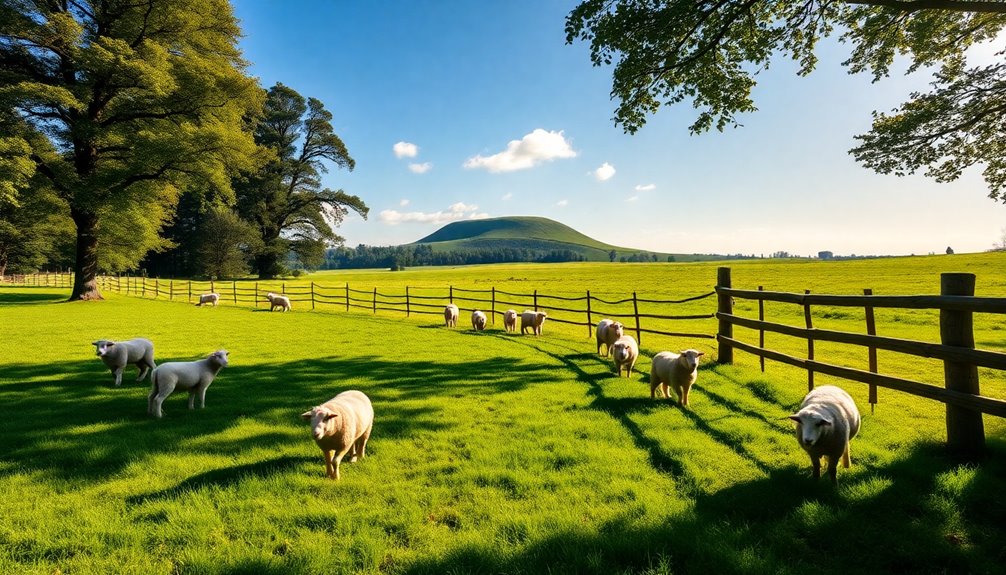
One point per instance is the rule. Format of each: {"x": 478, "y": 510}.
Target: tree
{"x": 669, "y": 51}
{"x": 1000, "y": 246}
{"x": 30, "y": 232}
{"x": 950, "y": 250}
{"x": 124, "y": 105}
{"x": 612, "y": 255}
{"x": 286, "y": 200}
{"x": 226, "y": 243}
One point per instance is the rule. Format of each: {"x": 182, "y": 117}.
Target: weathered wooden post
{"x": 535, "y": 300}
{"x": 375, "y": 299}
{"x": 871, "y": 329}
{"x": 234, "y": 291}
{"x": 724, "y": 305}
{"x": 347, "y": 296}
{"x": 171, "y": 290}
{"x": 450, "y": 294}
{"x": 213, "y": 288}
{"x": 157, "y": 287}
{"x": 312, "y": 295}
{"x": 810, "y": 342}
{"x": 256, "y": 294}
{"x": 189, "y": 299}
{"x": 965, "y": 428}
{"x": 761, "y": 332}
{"x": 492, "y": 315}
{"x": 590, "y": 322}
{"x": 408, "y": 310}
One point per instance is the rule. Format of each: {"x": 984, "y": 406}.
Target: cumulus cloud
{"x": 454, "y": 212}
{"x": 420, "y": 168}
{"x": 605, "y": 172}
{"x": 562, "y": 203}
{"x": 405, "y": 150}
{"x": 507, "y": 196}
{"x": 403, "y": 203}
{"x": 533, "y": 149}
{"x": 646, "y": 188}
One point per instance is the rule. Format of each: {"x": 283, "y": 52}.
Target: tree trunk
{"x": 85, "y": 267}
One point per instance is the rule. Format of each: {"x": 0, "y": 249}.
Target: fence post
{"x": 256, "y": 294}
{"x": 171, "y": 290}
{"x": 157, "y": 287}
{"x": 312, "y": 295}
{"x": 810, "y": 343}
{"x": 188, "y": 284}
{"x": 143, "y": 289}
{"x": 375, "y": 299}
{"x": 284, "y": 288}
{"x": 535, "y": 300}
{"x": 590, "y": 322}
{"x": 725, "y": 306}
{"x": 965, "y": 429}
{"x": 635, "y": 312}
{"x": 450, "y": 294}
{"x": 871, "y": 329}
{"x": 213, "y": 288}
{"x": 761, "y": 332}
{"x": 492, "y": 315}
{"x": 408, "y": 311}
{"x": 347, "y": 296}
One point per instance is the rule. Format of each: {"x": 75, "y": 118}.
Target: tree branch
{"x": 951, "y": 5}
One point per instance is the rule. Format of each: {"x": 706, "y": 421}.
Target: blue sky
{"x": 494, "y": 114}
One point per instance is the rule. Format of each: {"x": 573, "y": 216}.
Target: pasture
{"x": 492, "y": 453}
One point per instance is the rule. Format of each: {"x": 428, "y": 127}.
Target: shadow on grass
{"x": 224, "y": 477}
{"x": 904, "y": 518}
{"x": 23, "y": 298}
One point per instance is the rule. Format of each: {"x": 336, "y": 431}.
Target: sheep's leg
{"x": 684, "y": 395}
{"x": 833, "y": 470}
{"x": 202, "y": 396}
{"x": 327, "y": 454}
{"x": 117, "y": 372}
{"x": 362, "y": 442}
{"x": 846, "y": 457}
{"x": 192, "y": 398}
{"x": 337, "y": 460}
{"x": 816, "y": 462}
{"x": 150, "y": 400}
{"x": 142, "y": 370}
{"x": 654, "y": 384}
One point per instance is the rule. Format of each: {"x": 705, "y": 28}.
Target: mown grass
{"x": 492, "y": 453}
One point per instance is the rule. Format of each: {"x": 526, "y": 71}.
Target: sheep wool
{"x": 677, "y": 371}
{"x": 451, "y": 315}
{"x": 827, "y": 421}
{"x": 625, "y": 351}
{"x": 533, "y": 320}
{"x": 212, "y": 298}
{"x": 278, "y": 301}
{"x": 194, "y": 376}
{"x": 607, "y": 333}
{"x": 510, "y": 320}
{"x": 341, "y": 425}
{"x": 478, "y": 320}
{"x": 117, "y": 355}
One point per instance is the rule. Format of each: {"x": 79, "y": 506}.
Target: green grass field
{"x": 491, "y": 453}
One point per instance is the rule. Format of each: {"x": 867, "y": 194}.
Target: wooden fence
{"x": 956, "y": 303}
{"x": 45, "y": 279}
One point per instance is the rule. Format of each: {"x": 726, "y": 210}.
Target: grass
{"x": 492, "y": 453}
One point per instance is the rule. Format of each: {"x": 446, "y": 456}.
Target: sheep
{"x": 341, "y": 425}
{"x": 195, "y": 376}
{"x": 117, "y": 355}
{"x": 510, "y": 320}
{"x": 212, "y": 298}
{"x": 675, "y": 370}
{"x": 533, "y": 320}
{"x": 478, "y": 320}
{"x": 625, "y": 350}
{"x": 451, "y": 315}
{"x": 278, "y": 301}
{"x": 825, "y": 424}
{"x": 607, "y": 333}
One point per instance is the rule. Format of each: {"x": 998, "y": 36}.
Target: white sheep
{"x": 451, "y": 315}
{"x": 510, "y": 320}
{"x": 675, "y": 370}
{"x": 195, "y": 376}
{"x": 478, "y": 320}
{"x": 533, "y": 320}
{"x": 117, "y": 355}
{"x": 607, "y": 333}
{"x": 212, "y": 298}
{"x": 341, "y": 425}
{"x": 825, "y": 424}
{"x": 625, "y": 351}
{"x": 278, "y": 301}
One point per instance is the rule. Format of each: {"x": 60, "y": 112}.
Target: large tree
{"x": 32, "y": 231}
{"x": 286, "y": 200}
{"x": 709, "y": 51}
{"x": 127, "y": 104}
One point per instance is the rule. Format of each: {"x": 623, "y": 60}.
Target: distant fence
{"x": 44, "y": 279}
{"x": 957, "y": 304}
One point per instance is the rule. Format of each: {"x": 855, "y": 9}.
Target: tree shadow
{"x": 225, "y": 477}
{"x": 25, "y": 298}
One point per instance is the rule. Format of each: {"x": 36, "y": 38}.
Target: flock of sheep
{"x": 825, "y": 423}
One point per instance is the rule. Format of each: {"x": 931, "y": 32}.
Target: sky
{"x": 459, "y": 109}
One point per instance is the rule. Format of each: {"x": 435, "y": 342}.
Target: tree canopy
{"x": 709, "y": 52}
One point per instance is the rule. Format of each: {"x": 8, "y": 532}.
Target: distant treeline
{"x": 397, "y": 257}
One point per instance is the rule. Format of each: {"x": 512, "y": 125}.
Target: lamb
{"x": 533, "y": 320}
{"x": 675, "y": 370}
{"x": 825, "y": 424}
{"x": 625, "y": 350}
{"x": 341, "y": 425}
{"x": 278, "y": 301}
{"x": 117, "y": 355}
{"x": 510, "y": 320}
{"x": 607, "y": 333}
{"x": 195, "y": 376}
{"x": 478, "y": 320}
{"x": 451, "y": 315}
{"x": 212, "y": 298}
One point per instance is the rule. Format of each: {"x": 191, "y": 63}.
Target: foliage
{"x": 709, "y": 52}
{"x": 32, "y": 232}
{"x": 423, "y": 255}
{"x": 226, "y": 244}
{"x": 285, "y": 199}
{"x": 126, "y": 105}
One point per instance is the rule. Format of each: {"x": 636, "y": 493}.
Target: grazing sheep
{"x": 341, "y": 425}
{"x": 195, "y": 376}
{"x": 212, "y": 298}
{"x": 533, "y": 320}
{"x": 478, "y": 320}
{"x": 675, "y": 370}
{"x": 451, "y": 315}
{"x": 278, "y": 301}
{"x": 827, "y": 420}
{"x": 117, "y": 355}
{"x": 510, "y": 320}
{"x": 607, "y": 333}
{"x": 625, "y": 350}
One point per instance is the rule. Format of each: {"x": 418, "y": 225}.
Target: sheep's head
{"x": 690, "y": 359}
{"x": 219, "y": 357}
{"x": 269, "y": 296}
{"x": 620, "y": 351}
{"x": 323, "y": 421}
{"x": 540, "y": 318}
{"x": 617, "y": 328}
{"x": 102, "y": 347}
{"x": 811, "y": 426}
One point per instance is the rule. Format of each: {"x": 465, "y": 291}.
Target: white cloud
{"x": 420, "y": 168}
{"x": 454, "y": 212}
{"x": 507, "y": 196}
{"x": 562, "y": 203}
{"x": 405, "y": 150}
{"x": 605, "y": 172}
{"x": 632, "y": 198}
{"x": 646, "y": 188}
{"x": 403, "y": 203}
{"x": 537, "y": 147}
